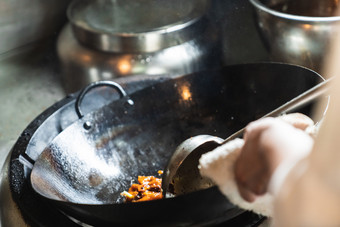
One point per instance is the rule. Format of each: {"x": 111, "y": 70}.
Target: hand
{"x": 268, "y": 142}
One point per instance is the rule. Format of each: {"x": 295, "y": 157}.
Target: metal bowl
{"x": 299, "y": 31}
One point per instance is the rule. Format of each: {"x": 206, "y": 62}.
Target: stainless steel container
{"x": 299, "y": 31}
{"x": 107, "y": 39}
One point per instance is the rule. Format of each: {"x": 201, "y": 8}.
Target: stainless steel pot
{"x": 299, "y": 31}
{"x": 108, "y": 39}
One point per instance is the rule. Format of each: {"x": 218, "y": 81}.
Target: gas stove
{"x": 21, "y": 206}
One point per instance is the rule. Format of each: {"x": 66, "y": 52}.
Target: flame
{"x": 307, "y": 26}
{"x": 185, "y": 92}
{"x": 86, "y": 58}
{"x": 124, "y": 66}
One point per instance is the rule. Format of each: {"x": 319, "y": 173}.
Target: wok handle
{"x": 83, "y": 92}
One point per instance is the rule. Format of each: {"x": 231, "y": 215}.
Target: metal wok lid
{"x": 135, "y": 26}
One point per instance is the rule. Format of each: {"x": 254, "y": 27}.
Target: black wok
{"x": 219, "y": 103}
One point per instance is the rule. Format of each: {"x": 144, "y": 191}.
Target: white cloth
{"x": 218, "y": 165}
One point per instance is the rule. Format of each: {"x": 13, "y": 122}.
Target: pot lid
{"x": 135, "y": 26}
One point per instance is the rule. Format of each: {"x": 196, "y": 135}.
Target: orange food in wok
{"x": 148, "y": 188}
